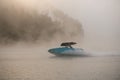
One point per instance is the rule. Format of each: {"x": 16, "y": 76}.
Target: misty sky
{"x": 100, "y": 19}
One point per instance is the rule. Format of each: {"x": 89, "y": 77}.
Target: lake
{"x": 35, "y": 63}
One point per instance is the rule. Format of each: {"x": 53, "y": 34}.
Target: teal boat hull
{"x": 66, "y": 51}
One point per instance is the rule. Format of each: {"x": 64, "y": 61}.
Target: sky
{"x": 99, "y": 18}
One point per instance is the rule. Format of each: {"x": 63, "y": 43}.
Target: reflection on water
{"x": 38, "y": 64}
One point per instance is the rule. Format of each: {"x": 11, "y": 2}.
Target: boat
{"x": 67, "y": 49}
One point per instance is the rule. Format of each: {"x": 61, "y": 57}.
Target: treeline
{"x": 19, "y": 24}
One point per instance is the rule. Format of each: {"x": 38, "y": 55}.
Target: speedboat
{"x": 67, "y": 49}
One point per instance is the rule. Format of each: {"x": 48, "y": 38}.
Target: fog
{"x": 29, "y": 28}
{"x": 35, "y": 21}
{"x": 100, "y": 20}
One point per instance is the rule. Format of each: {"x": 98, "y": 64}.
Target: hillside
{"x": 19, "y": 22}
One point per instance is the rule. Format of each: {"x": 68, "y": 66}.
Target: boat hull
{"x": 67, "y": 51}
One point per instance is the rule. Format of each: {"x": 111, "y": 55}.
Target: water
{"x": 35, "y": 63}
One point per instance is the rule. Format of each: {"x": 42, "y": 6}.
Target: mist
{"x": 100, "y": 21}
{"x": 35, "y": 21}
{"x": 29, "y": 28}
